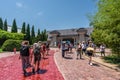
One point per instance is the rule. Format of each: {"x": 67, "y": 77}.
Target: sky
{"x": 48, "y": 14}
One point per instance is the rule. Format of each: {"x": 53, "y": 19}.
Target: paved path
{"x": 10, "y": 68}
{"x": 73, "y": 69}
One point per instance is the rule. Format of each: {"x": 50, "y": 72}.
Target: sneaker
{"x": 25, "y": 74}
{"x": 91, "y": 64}
{"x": 38, "y": 69}
{"x": 33, "y": 71}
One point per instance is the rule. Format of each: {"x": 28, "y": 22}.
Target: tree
{"x": 27, "y": 37}
{"x": 23, "y": 28}
{"x": 5, "y": 25}
{"x": 1, "y": 23}
{"x": 106, "y": 23}
{"x": 38, "y": 32}
{"x": 32, "y": 32}
{"x": 14, "y": 27}
{"x": 43, "y": 36}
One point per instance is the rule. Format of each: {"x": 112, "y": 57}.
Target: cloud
{"x": 40, "y": 13}
{"x": 18, "y": 4}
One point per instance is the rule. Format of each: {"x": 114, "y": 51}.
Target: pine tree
{"x": 38, "y": 32}
{"x": 5, "y": 25}
{"x": 23, "y": 28}
{"x": 45, "y": 35}
{"x": 38, "y": 38}
{"x": 14, "y": 27}
{"x": 28, "y": 33}
{"x": 1, "y": 23}
{"x": 32, "y": 32}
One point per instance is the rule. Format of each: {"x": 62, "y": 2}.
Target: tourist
{"x": 59, "y": 45}
{"x": 37, "y": 57}
{"x": 70, "y": 47}
{"x": 83, "y": 47}
{"x": 47, "y": 48}
{"x": 24, "y": 56}
{"x": 79, "y": 50}
{"x": 90, "y": 51}
{"x": 102, "y": 49}
{"x": 63, "y": 49}
{"x": 43, "y": 48}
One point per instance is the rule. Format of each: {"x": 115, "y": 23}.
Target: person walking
{"x": 24, "y": 56}
{"x": 36, "y": 57}
{"x": 47, "y": 48}
{"x": 79, "y": 50}
{"x": 102, "y": 49}
{"x": 83, "y": 47}
{"x": 90, "y": 51}
{"x": 63, "y": 49}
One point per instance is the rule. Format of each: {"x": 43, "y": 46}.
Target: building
{"x": 10, "y": 28}
{"x": 72, "y": 35}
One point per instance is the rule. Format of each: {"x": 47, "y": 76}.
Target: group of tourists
{"x": 84, "y": 48}
{"x": 66, "y": 47}
{"x": 31, "y": 55}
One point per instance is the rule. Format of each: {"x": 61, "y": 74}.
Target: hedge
{"x": 10, "y": 44}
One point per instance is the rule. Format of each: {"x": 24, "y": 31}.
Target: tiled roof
{"x": 72, "y": 31}
{"x": 67, "y": 32}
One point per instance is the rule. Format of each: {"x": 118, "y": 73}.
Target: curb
{"x": 58, "y": 66}
{"x": 114, "y": 68}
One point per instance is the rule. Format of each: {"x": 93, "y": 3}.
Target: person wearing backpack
{"x": 24, "y": 56}
{"x": 37, "y": 57}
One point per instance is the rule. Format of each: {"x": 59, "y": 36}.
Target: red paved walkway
{"x": 10, "y": 69}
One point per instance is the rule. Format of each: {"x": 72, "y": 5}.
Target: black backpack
{"x": 36, "y": 51}
{"x": 24, "y": 51}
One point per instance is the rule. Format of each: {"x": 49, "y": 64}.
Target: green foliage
{"x": 41, "y": 36}
{"x": 1, "y": 23}
{"x": 5, "y": 25}
{"x": 112, "y": 59}
{"x": 23, "y": 28}
{"x": 14, "y": 27}
{"x": 4, "y": 35}
{"x": 27, "y": 37}
{"x": 106, "y": 23}
{"x": 10, "y": 44}
{"x": 38, "y": 32}
{"x": 32, "y": 32}
{"x": 1, "y": 50}
{"x": 33, "y": 39}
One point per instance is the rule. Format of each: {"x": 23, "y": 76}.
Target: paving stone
{"x": 10, "y": 68}
{"x": 73, "y": 69}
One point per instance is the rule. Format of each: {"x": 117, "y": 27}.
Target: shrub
{"x": 4, "y": 35}
{"x": 0, "y": 50}
{"x": 115, "y": 59}
{"x": 10, "y": 44}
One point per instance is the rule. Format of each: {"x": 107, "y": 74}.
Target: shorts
{"x": 89, "y": 53}
{"x": 37, "y": 58}
{"x": 84, "y": 50}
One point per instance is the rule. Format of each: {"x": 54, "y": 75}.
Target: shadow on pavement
{"x": 94, "y": 64}
{"x": 42, "y": 71}
{"x": 68, "y": 57}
